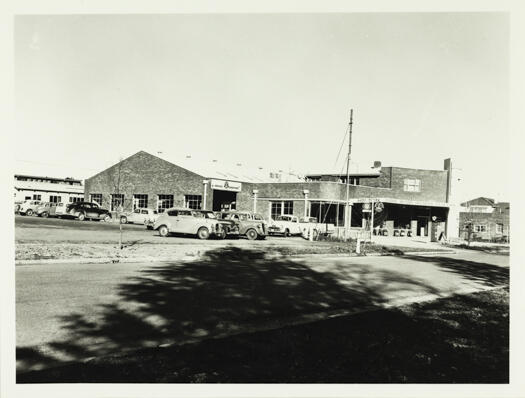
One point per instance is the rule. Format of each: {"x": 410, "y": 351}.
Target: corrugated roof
{"x": 224, "y": 170}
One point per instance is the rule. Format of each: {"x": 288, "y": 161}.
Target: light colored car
{"x": 29, "y": 207}
{"x": 201, "y": 223}
{"x": 139, "y": 216}
{"x": 51, "y": 210}
{"x": 286, "y": 225}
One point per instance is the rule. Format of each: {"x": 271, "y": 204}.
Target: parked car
{"x": 286, "y": 225}
{"x": 17, "y": 205}
{"x": 243, "y": 223}
{"x": 139, "y": 216}
{"x": 310, "y": 225}
{"x": 28, "y": 207}
{"x": 201, "y": 223}
{"x": 51, "y": 210}
{"x": 87, "y": 210}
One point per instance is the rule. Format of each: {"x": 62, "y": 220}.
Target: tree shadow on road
{"x": 228, "y": 291}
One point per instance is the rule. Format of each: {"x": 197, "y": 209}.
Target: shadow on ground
{"x": 233, "y": 291}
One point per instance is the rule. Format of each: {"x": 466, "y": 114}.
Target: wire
{"x": 341, "y": 147}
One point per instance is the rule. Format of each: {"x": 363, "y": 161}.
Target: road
{"x": 70, "y": 312}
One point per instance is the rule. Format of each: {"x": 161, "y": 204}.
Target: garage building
{"x": 403, "y": 198}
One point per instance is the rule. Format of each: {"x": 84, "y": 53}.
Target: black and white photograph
{"x": 261, "y": 198}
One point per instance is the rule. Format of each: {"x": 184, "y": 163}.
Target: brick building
{"x": 409, "y": 198}
{"x": 489, "y": 220}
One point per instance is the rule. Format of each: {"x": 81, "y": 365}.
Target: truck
{"x": 310, "y": 225}
{"x": 286, "y": 225}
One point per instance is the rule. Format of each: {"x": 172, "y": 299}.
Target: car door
{"x": 186, "y": 223}
{"x": 90, "y": 211}
{"x": 144, "y": 215}
{"x": 134, "y": 217}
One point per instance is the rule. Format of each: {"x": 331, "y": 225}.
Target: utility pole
{"x": 348, "y": 211}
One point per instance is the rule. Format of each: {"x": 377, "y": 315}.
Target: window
{"x": 97, "y": 198}
{"x": 74, "y": 199}
{"x": 193, "y": 201}
{"x": 116, "y": 201}
{"x": 164, "y": 202}
{"x": 499, "y": 228}
{"x": 480, "y": 228}
{"x": 143, "y": 211}
{"x": 27, "y": 198}
{"x": 281, "y": 208}
{"x": 55, "y": 199}
{"x": 140, "y": 200}
{"x": 37, "y": 197}
{"x": 276, "y": 209}
{"x": 412, "y": 185}
{"x": 137, "y": 211}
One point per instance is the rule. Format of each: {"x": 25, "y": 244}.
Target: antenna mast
{"x": 348, "y": 218}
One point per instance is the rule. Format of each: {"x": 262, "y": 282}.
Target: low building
{"x": 47, "y": 189}
{"x": 487, "y": 220}
{"x": 409, "y": 199}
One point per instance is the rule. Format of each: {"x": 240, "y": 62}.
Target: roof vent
{"x": 188, "y": 156}
{"x": 214, "y": 160}
{"x": 239, "y": 164}
{"x": 377, "y": 164}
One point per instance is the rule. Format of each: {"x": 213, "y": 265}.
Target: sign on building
{"x": 226, "y": 185}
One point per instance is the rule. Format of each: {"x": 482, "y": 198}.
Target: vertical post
{"x": 205, "y": 183}
{"x": 347, "y": 222}
{"x": 255, "y": 192}
{"x": 372, "y": 220}
{"x": 306, "y": 192}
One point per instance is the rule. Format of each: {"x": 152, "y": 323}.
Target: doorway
{"x": 422, "y": 225}
{"x": 224, "y": 200}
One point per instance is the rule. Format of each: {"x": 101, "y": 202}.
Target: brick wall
{"x": 490, "y": 220}
{"x": 143, "y": 173}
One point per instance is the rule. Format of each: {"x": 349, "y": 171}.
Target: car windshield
{"x": 283, "y": 218}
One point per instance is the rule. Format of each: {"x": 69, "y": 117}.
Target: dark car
{"x": 243, "y": 223}
{"x": 87, "y": 210}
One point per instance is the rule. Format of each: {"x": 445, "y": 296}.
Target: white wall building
{"x": 47, "y": 189}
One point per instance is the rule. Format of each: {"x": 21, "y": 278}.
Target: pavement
{"x": 73, "y": 312}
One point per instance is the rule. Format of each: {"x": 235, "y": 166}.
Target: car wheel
{"x": 81, "y": 216}
{"x": 45, "y": 214}
{"x": 203, "y": 233}
{"x": 163, "y": 231}
{"x": 106, "y": 218}
{"x": 287, "y": 232}
{"x": 123, "y": 220}
{"x": 29, "y": 212}
{"x": 251, "y": 234}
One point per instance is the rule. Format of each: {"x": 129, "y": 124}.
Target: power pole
{"x": 348, "y": 212}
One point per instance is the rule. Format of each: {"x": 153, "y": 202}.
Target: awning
{"x": 425, "y": 203}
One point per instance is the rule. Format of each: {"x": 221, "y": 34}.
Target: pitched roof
{"x": 481, "y": 201}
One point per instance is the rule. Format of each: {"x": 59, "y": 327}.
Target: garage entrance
{"x": 224, "y": 200}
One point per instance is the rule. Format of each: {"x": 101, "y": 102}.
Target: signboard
{"x": 226, "y": 185}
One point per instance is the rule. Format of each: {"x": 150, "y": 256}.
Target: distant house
{"x": 489, "y": 220}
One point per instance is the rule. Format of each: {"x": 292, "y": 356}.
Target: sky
{"x": 270, "y": 90}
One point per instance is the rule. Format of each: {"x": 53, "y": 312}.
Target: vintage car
{"x": 49, "y": 209}
{"x": 311, "y": 228}
{"x": 243, "y": 223}
{"x": 87, "y": 210}
{"x": 286, "y": 225}
{"x": 139, "y": 216}
{"x": 28, "y": 207}
{"x": 201, "y": 223}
